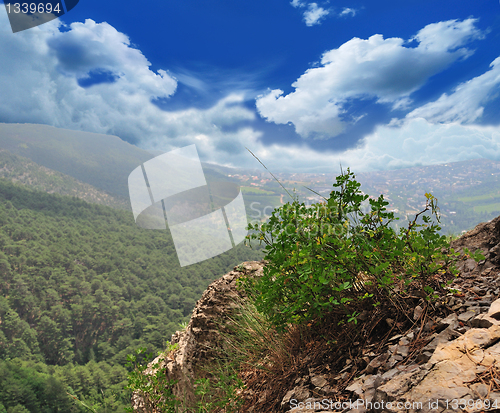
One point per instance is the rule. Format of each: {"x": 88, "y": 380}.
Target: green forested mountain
{"x": 81, "y": 287}
{"x": 26, "y": 172}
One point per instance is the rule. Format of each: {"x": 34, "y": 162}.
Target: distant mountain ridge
{"x": 23, "y": 171}
{"x": 103, "y": 161}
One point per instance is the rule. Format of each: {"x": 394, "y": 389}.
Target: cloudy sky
{"x": 304, "y": 85}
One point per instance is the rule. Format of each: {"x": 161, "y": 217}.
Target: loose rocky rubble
{"x": 444, "y": 371}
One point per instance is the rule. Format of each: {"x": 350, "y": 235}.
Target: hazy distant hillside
{"x": 468, "y": 191}
{"x": 26, "y": 172}
{"x": 103, "y": 161}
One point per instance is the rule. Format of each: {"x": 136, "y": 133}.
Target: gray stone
{"x": 319, "y": 381}
{"x": 478, "y": 290}
{"x": 328, "y": 390}
{"x": 403, "y": 351}
{"x": 301, "y": 393}
{"x": 464, "y": 317}
{"x": 481, "y": 369}
{"x": 392, "y": 349}
{"x": 494, "y": 311}
{"x": 483, "y": 321}
{"x": 495, "y": 396}
{"x": 356, "y": 388}
{"x": 424, "y": 357}
{"x": 443, "y": 337}
{"x": 480, "y": 390}
{"x": 470, "y": 264}
{"x": 287, "y": 397}
{"x": 404, "y": 341}
{"x": 417, "y": 313}
{"x": 428, "y": 326}
{"x": 372, "y": 382}
{"x": 488, "y": 298}
{"x": 376, "y": 363}
{"x": 389, "y": 374}
{"x": 369, "y": 394}
{"x": 389, "y": 364}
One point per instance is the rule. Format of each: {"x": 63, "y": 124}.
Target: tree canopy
{"x": 81, "y": 287}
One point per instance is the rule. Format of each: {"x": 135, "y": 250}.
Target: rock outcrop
{"x": 198, "y": 343}
{"x": 485, "y": 237}
{"x": 453, "y": 372}
{"x": 448, "y": 381}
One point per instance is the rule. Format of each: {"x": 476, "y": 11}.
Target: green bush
{"x": 219, "y": 393}
{"x": 154, "y": 388}
{"x": 323, "y": 257}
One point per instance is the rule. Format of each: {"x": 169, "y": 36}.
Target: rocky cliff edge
{"x": 449, "y": 361}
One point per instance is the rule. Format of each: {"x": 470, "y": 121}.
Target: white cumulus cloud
{"x": 385, "y": 69}
{"x": 416, "y": 142}
{"x": 466, "y": 103}
{"x": 41, "y": 74}
{"x": 298, "y": 3}
{"x": 439, "y": 132}
{"x": 419, "y": 142}
{"x": 346, "y": 11}
{"x": 39, "y": 83}
{"x": 314, "y": 14}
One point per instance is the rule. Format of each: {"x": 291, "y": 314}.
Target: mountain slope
{"x": 21, "y": 170}
{"x": 103, "y": 161}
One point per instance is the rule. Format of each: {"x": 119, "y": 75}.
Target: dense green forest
{"x": 81, "y": 287}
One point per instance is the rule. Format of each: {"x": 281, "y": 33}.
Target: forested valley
{"x": 81, "y": 287}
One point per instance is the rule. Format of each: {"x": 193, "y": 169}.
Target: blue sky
{"x": 305, "y": 85}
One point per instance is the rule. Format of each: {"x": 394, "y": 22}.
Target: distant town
{"x": 468, "y": 192}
